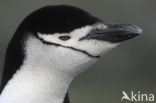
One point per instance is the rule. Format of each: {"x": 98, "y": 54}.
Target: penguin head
{"x": 70, "y": 36}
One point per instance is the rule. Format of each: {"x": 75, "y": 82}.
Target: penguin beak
{"x": 114, "y": 32}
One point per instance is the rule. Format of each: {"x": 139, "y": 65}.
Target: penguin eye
{"x": 64, "y": 38}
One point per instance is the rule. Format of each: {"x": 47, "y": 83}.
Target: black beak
{"x": 114, "y": 33}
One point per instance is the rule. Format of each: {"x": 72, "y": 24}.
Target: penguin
{"x": 51, "y": 47}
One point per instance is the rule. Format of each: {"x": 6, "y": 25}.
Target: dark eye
{"x": 64, "y": 38}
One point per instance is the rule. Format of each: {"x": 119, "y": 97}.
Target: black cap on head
{"x": 57, "y": 19}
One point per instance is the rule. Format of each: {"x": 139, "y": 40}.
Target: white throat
{"x": 45, "y": 76}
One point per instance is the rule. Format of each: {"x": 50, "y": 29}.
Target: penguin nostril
{"x": 64, "y": 38}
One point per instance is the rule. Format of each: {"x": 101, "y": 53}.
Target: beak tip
{"x": 140, "y": 31}
{"x": 136, "y": 29}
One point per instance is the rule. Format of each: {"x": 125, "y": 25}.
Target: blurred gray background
{"x": 129, "y": 67}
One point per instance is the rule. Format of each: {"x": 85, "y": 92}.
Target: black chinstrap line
{"x": 49, "y": 43}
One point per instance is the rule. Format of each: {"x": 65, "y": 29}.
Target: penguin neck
{"x": 44, "y": 77}
{"x": 36, "y": 85}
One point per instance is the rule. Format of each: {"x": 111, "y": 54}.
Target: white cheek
{"x": 56, "y": 57}
{"x": 95, "y": 47}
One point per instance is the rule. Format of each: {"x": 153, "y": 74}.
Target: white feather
{"x": 48, "y": 70}
{"x": 45, "y": 75}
